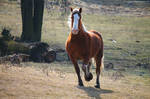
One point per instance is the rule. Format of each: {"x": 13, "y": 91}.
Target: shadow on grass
{"x": 95, "y": 93}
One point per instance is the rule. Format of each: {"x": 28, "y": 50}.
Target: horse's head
{"x": 75, "y": 20}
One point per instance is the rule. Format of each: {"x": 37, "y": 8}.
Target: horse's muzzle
{"x": 75, "y": 31}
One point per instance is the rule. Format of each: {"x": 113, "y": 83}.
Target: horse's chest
{"x": 78, "y": 48}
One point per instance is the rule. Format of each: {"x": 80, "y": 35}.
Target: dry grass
{"x": 32, "y": 82}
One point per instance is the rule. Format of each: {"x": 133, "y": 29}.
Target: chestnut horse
{"x": 84, "y": 45}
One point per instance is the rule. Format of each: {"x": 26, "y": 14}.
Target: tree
{"x": 32, "y": 16}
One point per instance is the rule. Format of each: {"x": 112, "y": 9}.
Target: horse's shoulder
{"x": 68, "y": 41}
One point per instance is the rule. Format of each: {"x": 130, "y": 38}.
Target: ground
{"x": 29, "y": 81}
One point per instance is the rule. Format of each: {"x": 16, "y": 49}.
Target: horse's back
{"x": 96, "y": 42}
{"x": 96, "y": 33}
{"x": 96, "y": 37}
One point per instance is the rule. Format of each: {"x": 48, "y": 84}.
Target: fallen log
{"x": 37, "y": 51}
{"x": 15, "y": 58}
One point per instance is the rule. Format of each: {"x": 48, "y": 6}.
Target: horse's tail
{"x": 102, "y": 51}
{"x": 102, "y": 63}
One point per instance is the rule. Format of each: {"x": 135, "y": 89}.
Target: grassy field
{"x": 128, "y": 26}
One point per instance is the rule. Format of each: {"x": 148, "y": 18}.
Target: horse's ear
{"x": 71, "y": 9}
{"x": 80, "y": 10}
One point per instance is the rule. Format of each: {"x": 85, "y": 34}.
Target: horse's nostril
{"x": 75, "y": 31}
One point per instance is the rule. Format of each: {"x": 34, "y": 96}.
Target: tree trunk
{"x": 38, "y": 16}
{"x": 32, "y": 15}
{"x": 27, "y": 20}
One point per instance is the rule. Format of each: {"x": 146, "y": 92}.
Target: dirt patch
{"x": 31, "y": 82}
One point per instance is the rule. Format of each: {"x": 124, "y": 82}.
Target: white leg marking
{"x": 87, "y": 71}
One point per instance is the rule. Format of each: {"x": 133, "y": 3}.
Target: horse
{"x": 84, "y": 45}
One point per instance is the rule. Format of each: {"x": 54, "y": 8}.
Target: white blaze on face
{"x": 87, "y": 71}
{"x": 75, "y": 24}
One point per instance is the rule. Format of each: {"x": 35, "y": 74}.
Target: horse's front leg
{"x": 77, "y": 69}
{"x": 86, "y": 68}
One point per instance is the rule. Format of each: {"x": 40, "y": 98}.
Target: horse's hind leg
{"x": 99, "y": 63}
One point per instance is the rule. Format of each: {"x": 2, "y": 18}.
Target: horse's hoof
{"x": 90, "y": 77}
{"x": 87, "y": 78}
{"x": 80, "y": 84}
{"x": 97, "y": 86}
